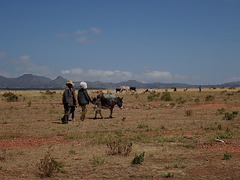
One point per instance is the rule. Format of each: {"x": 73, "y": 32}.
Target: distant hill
{"x": 29, "y": 81}
{"x": 231, "y": 84}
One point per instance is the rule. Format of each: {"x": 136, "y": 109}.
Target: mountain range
{"x": 30, "y": 81}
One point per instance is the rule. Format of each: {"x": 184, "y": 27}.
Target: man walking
{"x": 69, "y": 102}
{"x": 83, "y": 99}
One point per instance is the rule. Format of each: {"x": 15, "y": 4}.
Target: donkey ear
{"x": 121, "y": 98}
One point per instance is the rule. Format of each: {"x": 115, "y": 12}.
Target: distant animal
{"x": 107, "y": 101}
{"x": 133, "y": 89}
{"x": 118, "y": 90}
{"x": 148, "y": 90}
{"x": 124, "y": 88}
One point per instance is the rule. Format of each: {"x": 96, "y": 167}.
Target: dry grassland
{"x": 193, "y": 135}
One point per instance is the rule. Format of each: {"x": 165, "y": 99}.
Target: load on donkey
{"x": 106, "y": 101}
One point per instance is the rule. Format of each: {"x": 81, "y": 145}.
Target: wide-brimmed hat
{"x": 83, "y": 85}
{"x": 70, "y": 83}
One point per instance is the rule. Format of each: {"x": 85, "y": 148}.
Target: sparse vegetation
{"x": 188, "y": 112}
{"x": 230, "y": 116}
{"x": 144, "y": 126}
{"x": 48, "y": 166}
{"x": 227, "y": 155}
{"x": 197, "y": 101}
{"x": 169, "y": 175}
{"x": 175, "y": 135}
{"x": 119, "y": 147}
{"x": 10, "y": 97}
{"x": 153, "y": 96}
{"x": 221, "y": 111}
{"x": 209, "y": 98}
{"x": 227, "y": 134}
{"x": 97, "y": 161}
{"x": 2, "y": 155}
{"x": 166, "y": 97}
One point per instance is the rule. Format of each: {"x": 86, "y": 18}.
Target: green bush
{"x": 166, "y": 97}
{"x": 230, "y": 116}
{"x": 153, "y": 96}
{"x": 138, "y": 159}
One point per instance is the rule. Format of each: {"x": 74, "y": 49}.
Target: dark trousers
{"x": 67, "y": 111}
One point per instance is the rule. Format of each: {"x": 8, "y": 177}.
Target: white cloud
{"x": 158, "y": 74}
{"x": 77, "y": 71}
{"x": 97, "y": 75}
{"x": 65, "y": 72}
{"x": 78, "y": 74}
{"x": 95, "y": 30}
{"x": 82, "y": 39}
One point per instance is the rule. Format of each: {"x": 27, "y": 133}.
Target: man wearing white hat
{"x": 83, "y": 99}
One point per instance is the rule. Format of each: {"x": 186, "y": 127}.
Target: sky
{"x": 168, "y": 41}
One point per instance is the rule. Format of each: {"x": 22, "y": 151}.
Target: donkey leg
{"x": 111, "y": 111}
{"x": 100, "y": 112}
{"x": 96, "y": 114}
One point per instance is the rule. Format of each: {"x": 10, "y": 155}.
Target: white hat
{"x": 83, "y": 85}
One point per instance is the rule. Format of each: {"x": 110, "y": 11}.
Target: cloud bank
{"x": 85, "y": 38}
{"x": 25, "y": 65}
{"x": 78, "y": 74}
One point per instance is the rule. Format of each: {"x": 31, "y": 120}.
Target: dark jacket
{"x": 67, "y": 97}
{"x": 83, "y": 97}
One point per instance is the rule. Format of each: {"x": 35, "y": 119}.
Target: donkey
{"x": 107, "y": 101}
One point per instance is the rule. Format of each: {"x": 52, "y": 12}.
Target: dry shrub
{"x": 10, "y": 97}
{"x": 119, "y": 147}
{"x": 188, "y": 112}
{"x": 48, "y": 166}
{"x": 2, "y": 155}
{"x": 48, "y": 92}
{"x": 209, "y": 98}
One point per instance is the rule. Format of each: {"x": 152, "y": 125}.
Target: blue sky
{"x": 185, "y": 41}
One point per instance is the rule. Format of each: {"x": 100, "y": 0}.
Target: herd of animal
{"x": 125, "y": 89}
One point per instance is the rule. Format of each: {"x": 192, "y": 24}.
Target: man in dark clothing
{"x": 69, "y": 102}
{"x": 83, "y": 99}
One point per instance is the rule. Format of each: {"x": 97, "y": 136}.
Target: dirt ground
{"x": 192, "y": 135}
